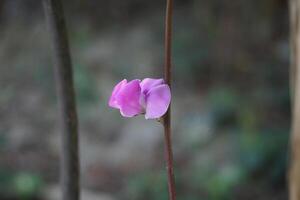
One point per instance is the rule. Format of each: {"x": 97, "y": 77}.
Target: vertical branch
{"x": 294, "y": 26}
{"x": 294, "y": 171}
{"x": 167, "y": 117}
{"x": 65, "y": 91}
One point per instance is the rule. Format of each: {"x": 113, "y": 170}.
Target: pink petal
{"x": 157, "y": 101}
{"x": 148, "y": 83}
{"x": 129, "y": 99}
{"x": 113, "y": 98}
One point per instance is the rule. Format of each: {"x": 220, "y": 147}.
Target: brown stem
{"x": 65, "y": 91}
{"x": 167, "y": 117}
{"x": 294, "y": 169}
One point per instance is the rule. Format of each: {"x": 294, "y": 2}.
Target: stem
{"x": 66, "y": 96}
{"x": 294, "y": 169}
{"x": 167, "y": 117}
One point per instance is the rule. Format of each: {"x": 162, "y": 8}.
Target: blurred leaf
{"x": 26, "y": 185}
{"x": 150, "y": 185}
{"x": 224, "y": 102}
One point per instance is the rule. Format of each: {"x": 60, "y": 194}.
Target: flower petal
{"x": 113, "y": 98}
{"x": 129, "y": 99}
{"x": 148, "y": 83}
{"x": 157, "y": 101}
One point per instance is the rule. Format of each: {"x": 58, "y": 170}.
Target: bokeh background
{"x": 230, "y": 111}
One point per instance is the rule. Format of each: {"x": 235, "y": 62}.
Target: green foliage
{"x": 26, "y": 185}
{"x": 223, "y": 99}
{"x": 220, "y": 184}
{"x": 149, "y": 185}
{"x": 84, "y": 85}
{"x": 189, "y": 55}
{"x": 21, "y": 185}
{"x": 264, "y": 154}
{"x": 224, "y": 102}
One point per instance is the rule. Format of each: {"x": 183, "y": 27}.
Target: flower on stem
{"x": 151, "y": 97}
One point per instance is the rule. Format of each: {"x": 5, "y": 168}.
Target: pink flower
{"x": 150, "y": 97}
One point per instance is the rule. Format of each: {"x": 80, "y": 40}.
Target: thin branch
{"x": 167, "y": 117}
{"x": 294, "y": 169}
{"x": 294, "y": 26}
{"x": 65, "y": 91}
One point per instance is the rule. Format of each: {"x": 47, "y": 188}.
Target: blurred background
{"x": 230, "y": 111}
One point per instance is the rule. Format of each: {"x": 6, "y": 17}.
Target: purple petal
{"x": 113, "y": 98}
{"x": 148, "y": 83}
{"x": 157, "y": 101}
{"x": 129, "y": 99}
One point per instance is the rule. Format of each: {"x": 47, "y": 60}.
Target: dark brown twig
{"x": 65, "y": 92}
{"x": 167, "y": 117}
